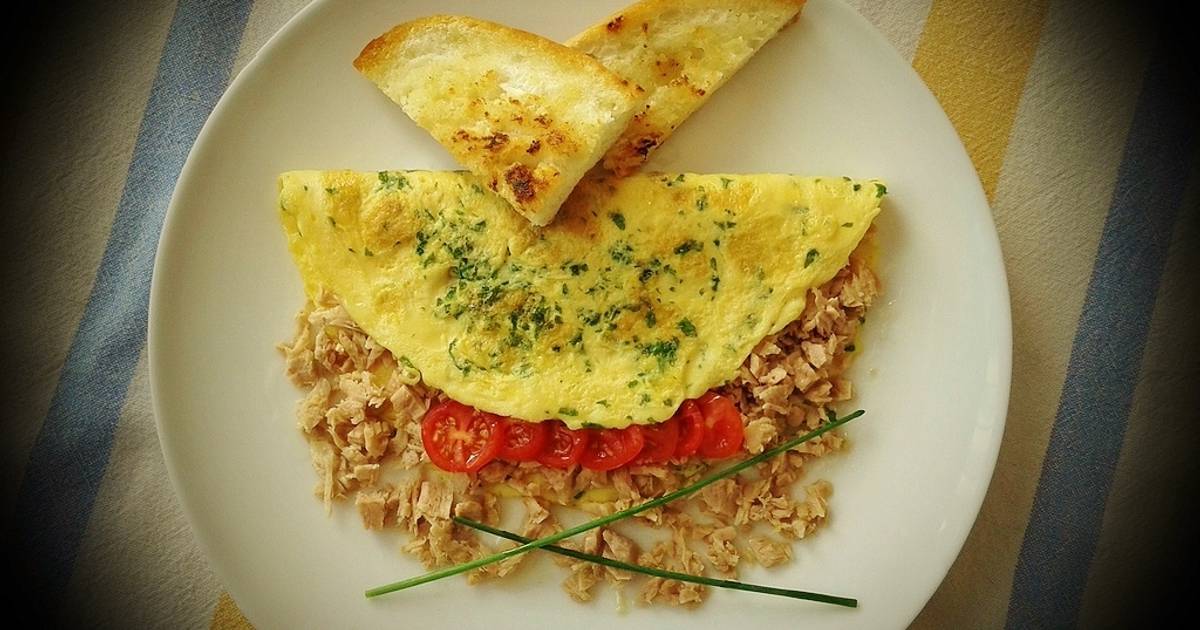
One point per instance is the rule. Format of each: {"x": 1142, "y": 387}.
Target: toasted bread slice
{"x": 526, "y": 114}
{"x": 680, "y": 52}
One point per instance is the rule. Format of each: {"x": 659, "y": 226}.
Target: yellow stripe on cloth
{"x": 226, "y": 616}
{"x": 974, "y": 56}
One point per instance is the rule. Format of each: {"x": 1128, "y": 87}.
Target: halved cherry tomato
{"x": 563, "y": 446}
{"x": 458, "y": 438}
{"x": 691, "y": 429}
{"x": 524, "y": 441}
{"x": 612, "y": 448}
{"x": 723, "y": 429}
{"x": 660, "y": 441}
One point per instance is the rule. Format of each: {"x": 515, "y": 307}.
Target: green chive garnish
{"x": 666, "y": 575}
{"x": 834, "y": 423}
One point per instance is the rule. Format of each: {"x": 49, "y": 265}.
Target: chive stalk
{"x": 433, "y": 576}
{"x": 662, "y": 573}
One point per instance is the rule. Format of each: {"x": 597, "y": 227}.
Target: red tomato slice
{"x": 608, "y": 449}
{"x": 458, "y": 438}
{"x": 524, "y": 441}
{"x": 723, "y": 429}
{"x": 691, "y": 429}
{"x": 563, "y": 446}
{"x": 660, "y": 441}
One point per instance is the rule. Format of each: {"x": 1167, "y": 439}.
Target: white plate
{"x": 828, "y": 97}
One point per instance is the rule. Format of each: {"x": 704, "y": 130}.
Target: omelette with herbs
{"x": 645, "y": 292}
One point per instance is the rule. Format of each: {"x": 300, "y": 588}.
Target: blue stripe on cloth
{"x": 1106, "y": 356}
{"x": 69, "y": 457}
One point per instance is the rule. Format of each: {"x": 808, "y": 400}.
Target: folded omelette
{"x": 644, "y": 292}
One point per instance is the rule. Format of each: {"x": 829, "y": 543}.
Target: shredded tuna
{"x": 361, "y": 415}
{"x": 722, "y": 554}
{"x": 674, "y": 555}
{"x": 768, "y": 552}
{"x": 372, "y": 507}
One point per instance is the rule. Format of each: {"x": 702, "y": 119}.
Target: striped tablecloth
{"x": 1073, "y": 112}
